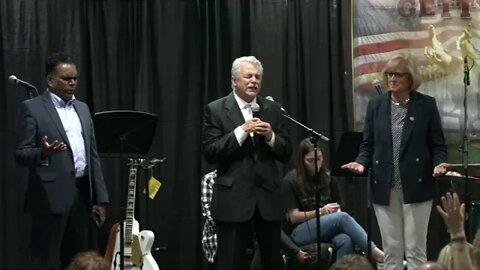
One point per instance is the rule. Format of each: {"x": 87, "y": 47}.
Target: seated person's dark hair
{"x": 299, "y": 190}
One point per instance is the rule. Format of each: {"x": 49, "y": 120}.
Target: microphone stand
{"x": 314, "y": 136}
{"x": 29, "y": 91}
{"x": 310, "y": 130}
{"x": 29, "y": 88}
{"x": 464, "y": 147}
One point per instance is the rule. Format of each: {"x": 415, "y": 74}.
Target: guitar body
{"x": 138, "y": 255}
{"x": 137, "y": 245}
{"x": 146, "y": 238}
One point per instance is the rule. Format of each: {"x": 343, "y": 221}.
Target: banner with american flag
{"x": 440, "y": 34}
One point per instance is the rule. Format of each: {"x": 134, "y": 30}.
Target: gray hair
{"x": 237, "y": 63}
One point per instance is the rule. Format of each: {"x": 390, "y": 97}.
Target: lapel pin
{"x": 412, "y": 118}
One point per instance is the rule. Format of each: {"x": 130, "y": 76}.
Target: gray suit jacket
{"x": 422, "y": 147}
{"x": 247, "y": 175}
{"x": 52, "y": 185}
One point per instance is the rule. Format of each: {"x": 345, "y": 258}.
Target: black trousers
{"x": 235, "y": 237}
{"x": 56, "y": 238}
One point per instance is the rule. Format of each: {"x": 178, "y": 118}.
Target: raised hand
{"x": 453, "y": 213}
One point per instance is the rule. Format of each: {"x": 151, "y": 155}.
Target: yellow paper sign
{"x": 153, "y": 187}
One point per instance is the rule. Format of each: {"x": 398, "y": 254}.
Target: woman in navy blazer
{"x": 404, "y": 145}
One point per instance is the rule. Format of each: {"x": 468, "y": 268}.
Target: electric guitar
{"x": 137, "y": 245}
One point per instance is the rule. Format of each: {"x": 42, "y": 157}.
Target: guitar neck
{"x": 130, "y": 212}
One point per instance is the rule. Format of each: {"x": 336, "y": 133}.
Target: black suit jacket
{"x": 422, "y": 148}
{"x": 52, "y": 185}
{"x": 247, "y": 175}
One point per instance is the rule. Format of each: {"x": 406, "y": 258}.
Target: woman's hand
{"x": 354, "y": 167}
{"x": 441, "y": 169}
{"x": 330, "y": 208}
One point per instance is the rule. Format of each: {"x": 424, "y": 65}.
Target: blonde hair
{"x": 445, "y": 256}
{"x": 89, "y": 260}
{"x": 408, "y": 65}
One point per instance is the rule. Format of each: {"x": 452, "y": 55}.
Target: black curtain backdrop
{"x": 169, "y": 57}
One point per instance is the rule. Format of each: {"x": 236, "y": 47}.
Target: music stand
{"x": 124, "y": 133}
{"x": 128, "y": 133}
{"x": 346, "y": 152}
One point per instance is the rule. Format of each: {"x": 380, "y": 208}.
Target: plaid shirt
{"x": 209, "y": 234}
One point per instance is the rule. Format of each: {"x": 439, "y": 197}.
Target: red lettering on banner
{"x": 446, "y": 9}
{"x": 426, "y": 8}
{"x": 429, "y": 8}
{"x": 406, "y": 8}
{"x": 465, "y": 9}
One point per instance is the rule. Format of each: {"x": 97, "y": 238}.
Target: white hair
{"x": 245, "y": 59}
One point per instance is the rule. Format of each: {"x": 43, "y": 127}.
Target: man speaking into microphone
{"x": 247, "y": 190}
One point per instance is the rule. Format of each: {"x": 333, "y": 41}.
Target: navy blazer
{"x": 52, "y": 185}
{"x": 422, "y": 148}
{"x": 247, "y": 175}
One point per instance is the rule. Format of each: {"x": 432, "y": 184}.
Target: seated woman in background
{"x": 336, "y": 227}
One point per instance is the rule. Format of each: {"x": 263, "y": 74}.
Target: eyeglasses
{"x": 396, "y": 74}
{"x": 311, "y": 160}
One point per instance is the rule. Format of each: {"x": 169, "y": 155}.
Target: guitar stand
{"x": 120, "y": 134}
{"x": 150, "y": 165}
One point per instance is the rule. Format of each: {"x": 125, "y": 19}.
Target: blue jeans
{"x": 339, "y": 228}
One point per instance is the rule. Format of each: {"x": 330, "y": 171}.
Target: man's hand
{"x": 354, "y": 167}
{"x": 249, "y": 126}
{"x": 264, "y": 128}
{"x": 99, "y": 214}
{"x": 53, "y": 148}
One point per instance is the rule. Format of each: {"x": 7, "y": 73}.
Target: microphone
{"x": 378, "y": 87}
{"x": 15, "y": 80}
{"x": 281, "y": 108}
{"x": 255, "y": 109}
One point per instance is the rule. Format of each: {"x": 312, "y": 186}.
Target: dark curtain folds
{"x": 169, "y": 58}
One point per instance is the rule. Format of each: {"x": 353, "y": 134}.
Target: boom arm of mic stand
{"x": 466, "y": 72}
{"x": 30, "y": 90}
{"x": 319, "y": 135}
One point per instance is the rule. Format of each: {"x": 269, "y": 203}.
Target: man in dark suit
{"x": 244, "y": 135}
{"x": 66, "y": 190}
